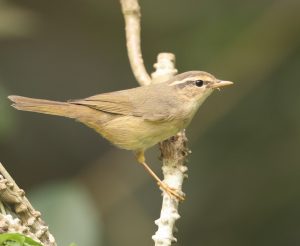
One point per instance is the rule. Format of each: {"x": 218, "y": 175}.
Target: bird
{"x": 138, "y": 118}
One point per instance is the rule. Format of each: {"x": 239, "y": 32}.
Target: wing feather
{"x": 138, "y": 102}
{"x": 113, "y": 102}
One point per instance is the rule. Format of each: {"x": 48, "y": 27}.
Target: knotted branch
{"x": 28, "y": 221}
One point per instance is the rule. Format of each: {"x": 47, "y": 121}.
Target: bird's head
{"x": 196, "y": 85}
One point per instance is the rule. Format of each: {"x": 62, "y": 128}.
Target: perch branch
{"x": 173, "y": 150}
{"x": 173, "y": 154}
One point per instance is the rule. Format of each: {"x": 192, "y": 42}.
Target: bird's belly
{"x": 133, "y": 133}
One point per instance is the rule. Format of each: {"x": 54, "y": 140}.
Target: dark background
{"x": 244, "y": 173}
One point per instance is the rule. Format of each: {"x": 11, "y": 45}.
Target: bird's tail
{"x": 45, "y": 106}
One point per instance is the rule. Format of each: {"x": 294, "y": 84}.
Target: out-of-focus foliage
{"x": 15, "y": 21}
{"x": 69, "y": 212}
{"x": 7, "y": 121}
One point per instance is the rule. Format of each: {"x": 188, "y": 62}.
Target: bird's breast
{"x": 133, "y": 133}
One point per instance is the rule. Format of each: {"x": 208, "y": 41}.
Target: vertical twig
{"x": 173, "y": 150}
{"x": 173, "y": 155}
{"x": 132, "y": 16}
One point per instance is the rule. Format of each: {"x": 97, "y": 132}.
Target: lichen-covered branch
{"x": 173, "y": 155}
{"x": 132, "y": 16}
{"x": 28, "y": 221}
{"x": 173, "y": 150}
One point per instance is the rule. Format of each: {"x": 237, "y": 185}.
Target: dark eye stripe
{"x": 188, "y": 83}
{"x": 185, "y": 83}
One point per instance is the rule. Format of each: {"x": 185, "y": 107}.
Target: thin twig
{"x": 132, "y": 16}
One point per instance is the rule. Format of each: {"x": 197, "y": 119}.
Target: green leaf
{"x": 16, "y": 239}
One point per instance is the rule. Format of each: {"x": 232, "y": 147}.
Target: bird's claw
{"x": 171, "y": 191}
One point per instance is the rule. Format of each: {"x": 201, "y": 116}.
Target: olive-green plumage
{"x": 137, "y": 118}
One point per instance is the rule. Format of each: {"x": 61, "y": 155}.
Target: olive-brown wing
{"x": 146, "y": 102}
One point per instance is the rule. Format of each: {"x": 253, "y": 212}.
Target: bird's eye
{"x": 199, "y": 83}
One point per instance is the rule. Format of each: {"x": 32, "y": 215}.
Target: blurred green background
{"x": 244, "y": 172}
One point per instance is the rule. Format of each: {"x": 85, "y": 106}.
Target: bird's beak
{"x": 221, "y": 83}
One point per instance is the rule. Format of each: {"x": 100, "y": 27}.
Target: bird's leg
{"x": 172, "y": 192}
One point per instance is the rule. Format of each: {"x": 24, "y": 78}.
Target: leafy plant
{"x": 16, "y": 239}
